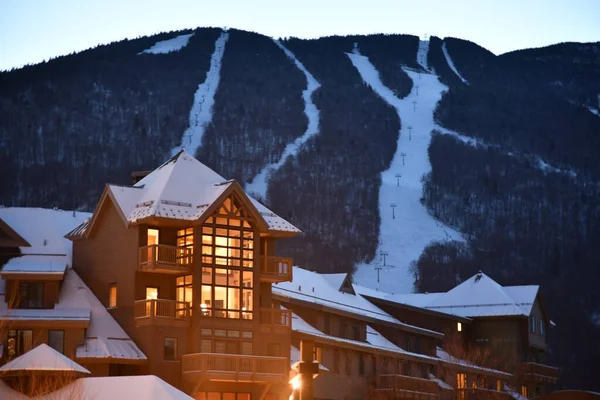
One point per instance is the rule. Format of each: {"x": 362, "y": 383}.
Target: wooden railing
{"x": 276, "y": 318}
{"x": 161, "y": 312}
{"x": 165, "y": 259}
{"x": 481, "y": 394}
{"x": 539, "y": 372}
{"x": 403, "y": 386}
{"x": 234, "y": 367}
{"x": 275, "y": 269}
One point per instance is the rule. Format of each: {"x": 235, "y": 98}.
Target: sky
{"x": 35, "y": 30}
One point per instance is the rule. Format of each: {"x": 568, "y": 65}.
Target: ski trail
{"x": 167, "y": 46}
{"x": 407, "y": 228}
{"x": 451, "y": 64}
{"x": 537, "y": 161}
{"x": 201, "y": 112}
{"x": 422, "y": 54}
{"x": 259, "y": 184}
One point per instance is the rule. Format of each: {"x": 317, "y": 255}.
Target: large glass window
{"x": 185, "y": 246}
{"x": 19, "y": 342}
{"x": 31, "y": 295}
{"x": 183, "y": 294}
{"x": 56, "y": 340}
{"x": 227, "y": 263}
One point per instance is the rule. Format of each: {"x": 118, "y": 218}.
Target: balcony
{"x": 481, "y": 394}
{"x": 161, "y": 313}
{"x": 275, "y": 269}
{"x": 275, "y": 320}
{"x": 234, "y": 367}
{"x": 403, "y": 386}
{"x": 538, "y": 372}
{"x": 165, "y": 259}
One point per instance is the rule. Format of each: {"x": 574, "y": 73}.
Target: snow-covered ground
{"x": 422, "y": 54}
{"x": 167, "y": 46}
{"x": 451, "y": 64}
{"x": 201, "y": 113}
{"x": 259, "y": 184}
{"x": 408, "y": 228}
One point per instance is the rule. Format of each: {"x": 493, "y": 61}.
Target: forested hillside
{"x": 520, "y": 179}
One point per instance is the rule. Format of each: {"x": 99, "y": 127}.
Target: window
{"x": 541, "y": 328}
{"x": 461, "y": 381}
{"x": 226, "y": 341}
{"x": 459, "y": 327}
{"x": 56, "y": 340}
{"x": 183, "y": 295}
{"x": 170, "y": 349}
{"x": 112, "y": 295}
{"x": 31, "y": 295}
{"x": 318, "y": 354}
{"x": 533, "y": 324}
{"x": 524, "y": 387}
{"x": 498, "y": 385}
{"x": 151, "y": 293}
{"x": 185, "y": 246}
{"x": 226, "y": 396}
{"x": 19, "y": 342}
{"x": 227, "y": 263}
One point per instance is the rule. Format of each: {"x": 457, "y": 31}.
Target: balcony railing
{"x": 403, "y": 386}
{"x": 234, "y": 367}
{"x": 161, "y": 313}
{"x": 481, "y": 394}
{"x": 275, "y": 269}
{"x": 163, "y": 258}
{"x": 538, "y": 372}
{"x": 275, "y": 318}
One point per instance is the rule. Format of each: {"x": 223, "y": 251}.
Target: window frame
{"x": 25, "y": 302}
{"x": 62, "y": 331}
{"x": 533, "y": 322}
{"x": 175, "y": 350}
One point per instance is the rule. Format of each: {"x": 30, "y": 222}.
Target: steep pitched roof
{"x": 43, "y": 358}
{"x": 105, "y": 338}
{"x": 182, "y": 188}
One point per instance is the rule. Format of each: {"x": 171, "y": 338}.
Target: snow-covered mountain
{"x": 420, "y": 161}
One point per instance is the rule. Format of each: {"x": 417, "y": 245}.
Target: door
{"x": 151, "y": 294}
{"x": 152, "y": 241}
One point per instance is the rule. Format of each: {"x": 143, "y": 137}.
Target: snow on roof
{"x": 377, "y": 339}
{"x": 411, "y": 299}
{"x": 147, "y": 387}
{"x": 105, "y": 338}
{"x": 440, "y": 382}
{"x": 480, "y": 296}
{"x": 36, "y": 264}
{"x": 167, "y": 46}
{"x": 182, "y": 188}
{"x": 301, "y": 326}
{"x": 295, "y": 358}
{"x": 335, "y": 280}
{"x": 51, "y": 314}
{"x": 43, "y": 228}
{"x": 313, "y": 287}
{"x": 523, "y": 295}
{"x": 444, "y": 356}
{"x": 43, "y": 358}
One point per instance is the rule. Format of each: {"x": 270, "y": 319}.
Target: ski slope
{"x": 167, "y": 46}
{"x": 408, "y": 228}
{"x": 258, "y": 186}
{"x": 201, "y": 112}
{"x": 451, "y": 64}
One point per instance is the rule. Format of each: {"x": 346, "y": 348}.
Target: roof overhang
{"x": 422, "y": 310}
{"x": 15, "y": 240}
{"x": 32, "y": 276}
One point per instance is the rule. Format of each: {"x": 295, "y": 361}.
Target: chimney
{"x": 138, "y": 176}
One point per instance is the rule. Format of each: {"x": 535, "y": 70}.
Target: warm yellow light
{"x": 459, "y": 326}
{"x": 202, "y": 305}
{"x": 296, "y": 382}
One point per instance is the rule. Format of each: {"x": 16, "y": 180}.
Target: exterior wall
{"x": 110, "y": 254}
{"x": 503, "y": 337}
{"x": 51, "y": 291}
{"x": 535, "y": 338}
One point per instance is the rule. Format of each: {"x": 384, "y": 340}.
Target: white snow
{"x": 413, "y": 228}
{"x": 34, "y": 264}
{"x": 260, "y": 182}
{"x": 422, "y": 54}
{"x": 43, "y": 358}
{"x": 168, "y": 46}
{"x": 451, "y": 64}
{"x": 204, "y": 99}
{"x": 148, "y": 387}
{"x": 105, "y": 338}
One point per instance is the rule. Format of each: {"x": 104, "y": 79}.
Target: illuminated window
{"x": 461, "y": 381}
{"x": 498, "y": 385}
{"x": 227, "y": 263}
{"x": 185, "y": 246}
{"x": 183, "y": 294}
{"x": 459, "y": 326}
{"x": 112, "y": 295}
{"x": 151, "y": 293}
{"x": 524, "y": 390}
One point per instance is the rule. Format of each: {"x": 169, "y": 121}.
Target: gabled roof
{"x": 183, "y": 189}
{"x": 43, "y": 358}
{"x": 147, "y": 387}
{"x": 339, "y": 282}
{"x": 481, "y": 296}
{"x": 42, "y": 228}
{"x": 105, "y": 339}
{"x": 11, "y": 238}
{"x": 314, "y": 288}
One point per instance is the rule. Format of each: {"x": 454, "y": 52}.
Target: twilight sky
{"x": 34, "y": 30}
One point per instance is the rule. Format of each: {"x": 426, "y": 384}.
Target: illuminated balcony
{"x": 165, "y": 259}
{"x": 234, "y": 368}
{"x": 275, "y": 320}
{"x": 538, "y": 372}
{"x": 406, "y": 387}
{"x": 275, "y": 269}
{"x": 161, "y": 313}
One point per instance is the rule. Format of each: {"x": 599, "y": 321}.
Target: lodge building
{"x": 177, "y": 276}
